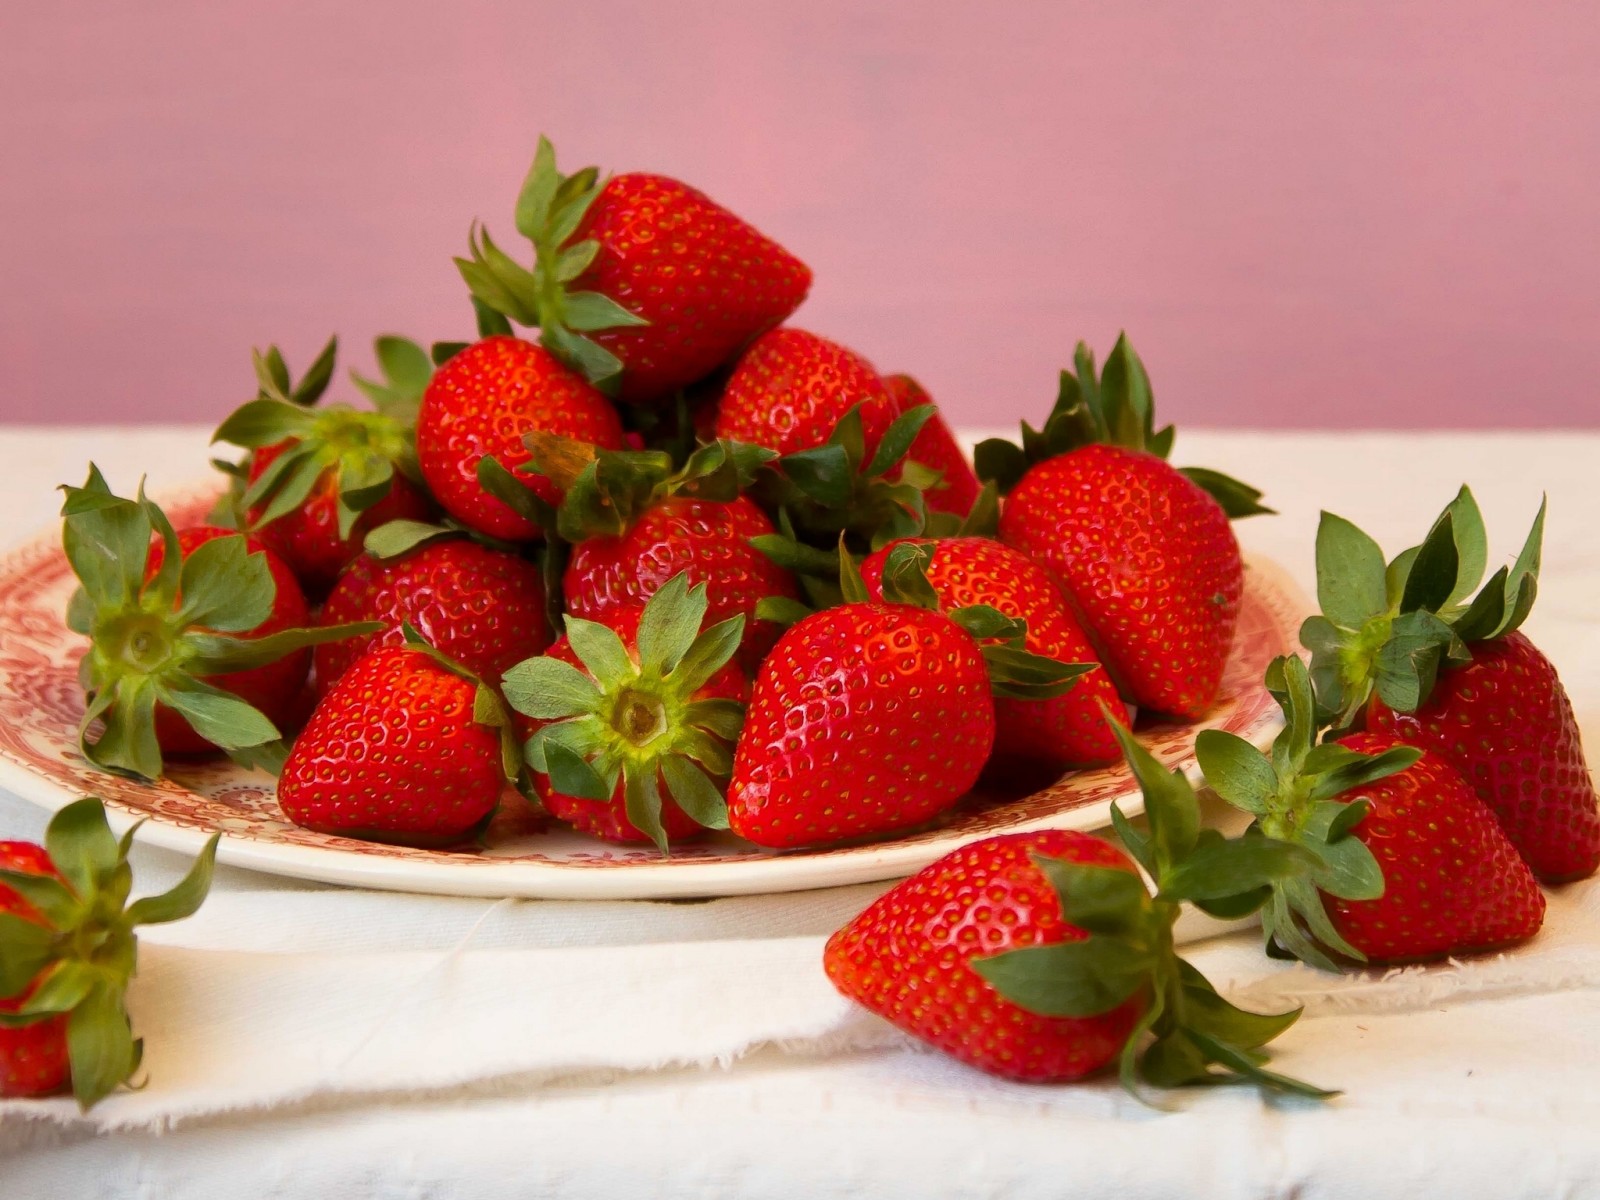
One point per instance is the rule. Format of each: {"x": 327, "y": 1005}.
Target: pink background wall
{"x": 1304, "y": 214}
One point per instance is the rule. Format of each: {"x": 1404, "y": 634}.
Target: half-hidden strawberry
{"x": 876, "y": 716}
{"x": 1144, "y": 550}
{"x": 317, "y": 479}
{"x": 408, "y": 747}
{"x": 1057, "y": 731}
{"x": 640, "y": 282}
{"x": 1042, "y": 956}
{"x": 482, "y": 607}
{"x": 631, "y": 722}
{"x": 1406, "y": 648}
{"x": 477, "y": 408}
{"x": 197, "y": 639}
{"x": 634, "y": 522}
{"x": 1408, "y": 864}
{"x": 68, "y": 950}
{"x": 956, "y": 489}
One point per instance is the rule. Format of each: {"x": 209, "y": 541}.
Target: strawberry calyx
{"x": 407, "y": 370}
{"x": 157, "y": 641}
{"x": 550, "y": 208}
{"x": 1293, "y": 795}
{"x": 1386, "y": 629}
{"x": 629, "y": 715}
{"x": 1116, "y": 407}
{"x": 1188, "y": 1033}
{"x": 75, "y": 952}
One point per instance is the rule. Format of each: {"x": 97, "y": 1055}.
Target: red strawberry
{"x": 640, "y": 281}
{"x": 634, "y": 523}
{"x": 406, "y": 748}
{"x": 196, "y": 639}
{"x": 631, "y": 722}
{"x": 318, "y": 480}
{"x": 1144, "y": 551}
{"x": 936, "y": 447}
{"x": 1408, "y": 648}
{"x": 480, "y": 404}
{"x": 1041, "y": 956}
{"x": 1061, "y": 731}
{"x": 1409, "y": 864}
{"x": 873, "y": 717}
{"x": 67, "y": 951}
{"x": 790, "y": 389}
{"x": 482, "y": 608}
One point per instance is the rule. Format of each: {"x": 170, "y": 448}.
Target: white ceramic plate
{"x": 40, "y": 704}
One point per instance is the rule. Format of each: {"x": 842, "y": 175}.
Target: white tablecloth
{"x": 1475, "y": 1081}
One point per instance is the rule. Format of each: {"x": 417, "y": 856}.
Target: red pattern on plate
{"x": 41, "y": 703}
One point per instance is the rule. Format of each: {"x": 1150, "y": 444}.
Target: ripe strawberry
{"x": 482, "y": 608}
{"x": 630, "y": 722}
{"x": 1143, "y": 550}
{"x": 1410, "y": 650}
{"x": 317, "y": 481}
{"x": 634, "y": 523}
{"x": 640, "y": 282}
{"x": 1059, "y": 732}
{"x": 1409, "y": 864}
{"x": 480, "y": 404}
{"x": 1041, "y": 956}
{"x": 67, "y": 951}
{"x": 196, "y": 639}
{"x": 936, "y": 447}
{"x": 406, "y": 748}
{"x": 875, "y": 716}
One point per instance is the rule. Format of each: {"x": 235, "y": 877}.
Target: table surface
{"x": 1485, "y": 1096}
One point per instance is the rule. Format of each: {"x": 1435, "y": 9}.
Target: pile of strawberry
{"x": 677, "y": 566}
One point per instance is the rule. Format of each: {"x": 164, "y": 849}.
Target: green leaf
{"x": 571, "y": 775}
{"x": 1472, "y": 545}
{"x": 100, "y": 1046}
{"x": 853, "y": 587}
{"x": 642, "y": 801}
{"x": 701, "y": 799}
{"x": 601, "y": 651}
{"x": 1207, "y": 1011}
{"x": 1238, "y": 500}
{"x": 219, "y": 717}
{"x": 1069, "y": 979}
{"x": 896, "y": 441}
{"x": 538, "y": 192}
{"x": 1433, "y": 573}
{"x": 1171, "y": 808}
{"x": 1236, "y": 770}
{"x": 1487, "y": 612}
{"x": 107, "y": 547}
{"x": 708, "y": 654}
{"x": 1218, "y": 868}
{"x": 588, "y": 311}
{"x": 219, "y": 654}
{"x": 782, "y": 610}
{"x": 1097, "y": 899}
{"x": 80, "y": 843}
{"x": 184, "y": 898}
{"x": 305, "y": 467}
{"x": 1366, "y": 769}
{"x": 905, "y": 577}
{"x": 395, "y": 538}
{"x": 549, "y": 689}
{"x": 1396, "y": 575}
{"x": 1234, "y": 1059}
{"x": 795, "y": 556}
{"x": 591, "y": 360}
{"x": 1350, "y": 573}
{"x": 315, "y": 381}
{"x": 514, "y": 493}
{"x": 1137, "y": 844}
{"x": 825, "y": 474}
{"x": 1522, "y": 583}
{"x": 1000, "y": 462}
{"x": 722, "y": 717}
{"x": 406, "y": 365}
{"x": 225, "y": 587}
{"x": 62, "y": 988}
{"x": 443, "y": 352}
{"x": 52, "y": 899}
{"x": 1347, "y": 867}
{"x": 669, "y": 624}
{"x": 575, "y": 260}
{"x": 263, "y": 423}
{"x": 27, "y": 948}
{"x": 1408, "y": 661}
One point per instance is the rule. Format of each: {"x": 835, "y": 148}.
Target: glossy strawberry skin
{"x": 1505, "y": 722}
{"x": 308, "y": 538}
{"x": 708, "y": 539}
{"x": 276, "y": 688}
{"x": 936, "y": 446}
{"x": 1453, "y": 883}
{"x": 1148, "y": 560}
{"x": 480, "y": 607}
{"x": 392, "y": 754}
{"x": 608, "y": 819}
{"x": 33, "y": 1057}
{"x": 706, "y": 281}
{"x": 480, "y": 404}
{"x": 791, "y": 387}
{"x": 1067, "y": 730}
{"x": 864, "y": 719}
{"x": 906, "y": 958}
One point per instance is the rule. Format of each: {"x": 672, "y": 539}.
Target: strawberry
{"x": 640, "y": 282}
{"x": 1408, "y": 650}
{"x": 634, "y": 523}
{"x": 317, "y": 480}
{"x": 407, "y": 748}
{"x": 481, "y": 607}
{"x": 479, "y": 405}
{"x": 630, "y": 723}
{"x": 1409, "y": 864}
{"x": 1041, "y": 956}
{"x": 1143, "y": 550}
{"x": 197, "y": 640}
{"x": 873, "y": 717}
{"x": 936, "y": 447}
{"x": 1058, "y": 732}
{"x": 67, "y": 951}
